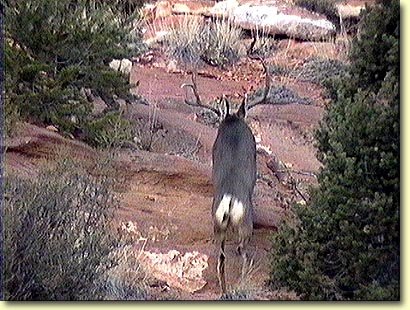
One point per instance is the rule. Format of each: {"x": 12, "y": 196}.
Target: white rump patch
{"x": 237, "y": 212}
{"x": 223, "y": 209}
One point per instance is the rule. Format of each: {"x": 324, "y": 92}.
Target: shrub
{"x": 126, "y": 281}
{"x": 375, "y": 52}
{"x": 262, "y": 44}
{"x": 321, "y": 71}
{"x": 193, "y": 40}
{"x": 316, "y": 70}
{"x": 59, "y": 238}
{"x": 56, "y": 49}
{"x": 184, "y": 40}
{"x": 282, "y": 95}
{"x": 222, "y": 43}
{"x": 109, "y": 131}
{"x": 346, "y": 242}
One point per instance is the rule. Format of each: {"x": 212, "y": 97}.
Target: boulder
{"x": 163, "y": 9}
{"x": 223, "y": 8}
{"x": 269, "y": 18}
{"x": 181, "y": 8}
{"x": 122, "y": 65}
{"x": 193, "y": 7}
{"x": 271, "y": 21}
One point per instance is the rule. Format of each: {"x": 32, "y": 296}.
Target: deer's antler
{"x": 197, "y": 102}
{"x": 262, "y": 100}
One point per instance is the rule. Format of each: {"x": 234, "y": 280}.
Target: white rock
{"x": 224, "y": 8}
{"x": 184, "y": 271}
{"x": 124, "y": 65}
{"x": 181, "y": 8}
{"x": 52, "y": 128}
{"x": 255, "y": 14}
{"x": 269, "y": 20}
{"x": 347, "y": 11}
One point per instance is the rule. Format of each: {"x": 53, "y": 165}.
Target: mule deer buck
{"x": 233, "y": 176}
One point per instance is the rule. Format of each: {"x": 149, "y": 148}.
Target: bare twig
{"x": 295, "y": 187}
{"x": 291, "y": 180}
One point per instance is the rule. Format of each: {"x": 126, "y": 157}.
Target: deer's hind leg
{"x": 221, "y": 266}
{"x": 245, "y": 232}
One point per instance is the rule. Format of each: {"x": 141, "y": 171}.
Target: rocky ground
{"x": 167, "y": 198}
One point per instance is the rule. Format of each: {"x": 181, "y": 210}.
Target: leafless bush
{"x": 148, "y": 131}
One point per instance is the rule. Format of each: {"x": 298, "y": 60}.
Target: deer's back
{"x": 234, "y": 160}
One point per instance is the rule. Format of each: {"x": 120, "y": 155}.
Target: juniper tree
{"x": 346, "y": 243}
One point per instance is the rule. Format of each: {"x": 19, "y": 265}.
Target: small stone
{"x": 52, "y": 128}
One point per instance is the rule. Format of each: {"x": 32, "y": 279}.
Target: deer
{"x": 234, "y": 174}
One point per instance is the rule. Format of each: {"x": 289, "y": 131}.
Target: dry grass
{"x": 147, "y": 133}
{"x": 263, "y": 44}
{"x": 223, "y": 44}
{"x": 309, "y": 61}
{"x": 192, "y": 40}
{"x": 184, "y": 40}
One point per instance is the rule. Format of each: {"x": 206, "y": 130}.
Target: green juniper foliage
{"x": 345, "y": 244}
{"x": 57, "y": 49}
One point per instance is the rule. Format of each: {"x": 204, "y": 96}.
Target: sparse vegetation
{"x": 59, "y": 239}
{"x": 236, "y": 295}
{"x": 319, "y": 71}
{"x": 55, "y": 50}
{"x": 282, "y": 95}
{"x": 183, "y": 41}
{"x": 223, "y": 44}
{"x": 148, "y": 132}
{"x": 127, "y": 280}
{"x": 263, "y": 45}
{"x": 215, "y": 43}
{"x": 345, "y": 244}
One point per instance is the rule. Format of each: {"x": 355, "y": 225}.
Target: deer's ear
{"x": 241, "y": 111}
